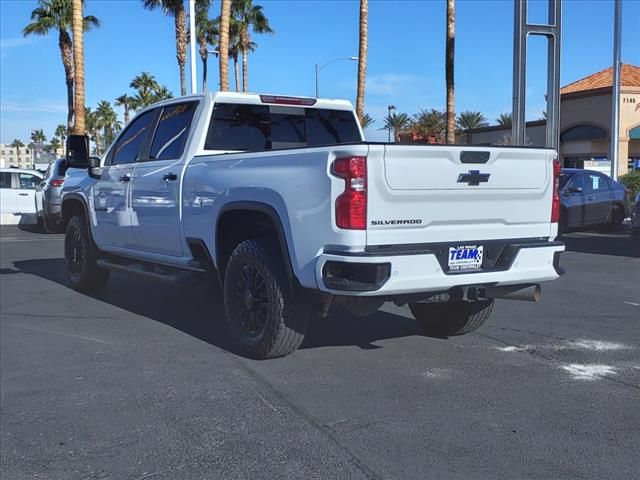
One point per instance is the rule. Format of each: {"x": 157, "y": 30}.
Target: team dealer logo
{"x": 412, "y": 221}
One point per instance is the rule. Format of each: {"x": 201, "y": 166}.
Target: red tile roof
{"x": 629, "y": 77}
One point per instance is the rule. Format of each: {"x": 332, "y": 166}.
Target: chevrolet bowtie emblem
{"x": 473, "y": 178}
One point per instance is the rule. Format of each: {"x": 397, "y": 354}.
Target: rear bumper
{"x": 363, "y": 274}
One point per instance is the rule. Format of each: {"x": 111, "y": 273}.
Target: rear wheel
{"x": 448, "y": 319}
{"x": 81, "y": 256}
{"x": 616, "y": 217}
{"x": 264, "y": 318}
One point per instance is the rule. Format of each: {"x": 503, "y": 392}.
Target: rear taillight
{"x": 555, "y": 205}
{"x": 56, "y": 183}
{"x": 351, "y": 205}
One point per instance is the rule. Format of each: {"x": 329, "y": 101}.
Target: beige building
{"x": 19, "y": 157}
{"x": 585, "y": 123}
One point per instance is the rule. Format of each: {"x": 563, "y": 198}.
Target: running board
{"x": 146, "y": 270}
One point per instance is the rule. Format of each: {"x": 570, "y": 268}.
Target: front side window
{"x": 171, "y": 133}
{"x": 28, "y": 181}
{"x": 5, "y": 180}
{"x": 127, "y": 150}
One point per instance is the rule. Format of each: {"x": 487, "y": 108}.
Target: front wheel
{"x": 81, "y": 258}
{"x": 448, "y": 319}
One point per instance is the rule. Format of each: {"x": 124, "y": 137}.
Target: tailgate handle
{"x": 467, "y": 156}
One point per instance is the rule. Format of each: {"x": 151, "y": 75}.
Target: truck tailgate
{"x": 430, "y": 194}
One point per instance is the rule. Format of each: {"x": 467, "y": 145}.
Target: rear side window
{"x": 171, "y": 133}
{"x": 327, "y": 127}
{"x": 262, "y": 127}
{"x": 238, "y": 127}
{"x": 129, "y": 144}
{"x": 5, "y": 180}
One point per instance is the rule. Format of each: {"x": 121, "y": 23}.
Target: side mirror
{"x": 78, "y": 151}
{"x": 575, "y": 190}
{"x": 94, "y": 162}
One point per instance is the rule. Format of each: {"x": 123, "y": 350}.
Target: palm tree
{"x": 397, "y": 123}
{"x": 504, "y": 120}
{"x": 175, "y": 8}
{"x": 54, "y": 145}
{"x": 235, "y": 49}
{"x": 450, "y": 55}
{"x": 93, "y": 128}
{"x": 248, "y": 16}
{"x": 126, "y": 102}
{"x": 430, "y": 125}
{"x": 38, "y": 136}
{"x": 362, "y": 57}
{"x": 161, "y": 93}
{"x": 223, "y": 56}
{"x": 367, "y": 121}
{"x": 207, "y": 33}
{"x": 77, "y": 26}
{"x": 468, "y": 120}
{"x": 107, "y": 120}
{"x": 56, "y": 15}
{"x": 61, "y": 133}
{"x": 17, "y": 144}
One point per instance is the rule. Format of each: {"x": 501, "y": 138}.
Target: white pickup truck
{"x": 283, "y": 200}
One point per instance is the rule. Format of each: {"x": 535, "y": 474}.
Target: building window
{"x": 634, "y": 133}
{"x": 583, "y": 132}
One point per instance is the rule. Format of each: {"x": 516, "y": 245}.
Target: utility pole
{"x": 615, "y": 91}
{"x": 192, "y": 45}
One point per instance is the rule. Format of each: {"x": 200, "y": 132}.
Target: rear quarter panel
{"x": 296, "y": 183}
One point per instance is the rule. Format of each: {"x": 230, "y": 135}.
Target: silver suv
{"x": 48, "y": 197}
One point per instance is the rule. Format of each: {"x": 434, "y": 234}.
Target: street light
{"x": 320, "y": 67}
{"x": 389, "y": 108}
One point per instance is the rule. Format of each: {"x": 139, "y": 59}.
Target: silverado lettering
{"x": 416, "y": 221}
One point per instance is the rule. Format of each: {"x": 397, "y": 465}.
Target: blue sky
{"x": 405, "y": 63}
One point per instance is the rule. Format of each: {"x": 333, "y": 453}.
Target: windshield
{"x": 564, "y": 178}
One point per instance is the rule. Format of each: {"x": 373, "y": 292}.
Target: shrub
{"x": 631, "y": 180}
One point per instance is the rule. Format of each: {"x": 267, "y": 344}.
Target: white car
{"x": 283, "y": 199}
{"x": 17, "y": 194}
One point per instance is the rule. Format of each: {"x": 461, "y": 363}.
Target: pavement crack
{"x": 301, "y": 412}
{"x": 81, "y": 337}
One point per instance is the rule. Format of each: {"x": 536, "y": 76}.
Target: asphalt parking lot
{"x": 137, "y": 382}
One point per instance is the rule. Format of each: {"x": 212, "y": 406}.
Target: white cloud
{"x": 35, "y": 107}
{"x": 393, "y": 83}
{"x": 13, "y": 42}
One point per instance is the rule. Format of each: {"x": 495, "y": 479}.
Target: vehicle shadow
{"x": 617, "y": 243}
{"x": 195, "y": 308}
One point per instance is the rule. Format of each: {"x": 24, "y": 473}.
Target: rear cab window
{"x": 250, "y": 127}
{"x": 5, "y": 180}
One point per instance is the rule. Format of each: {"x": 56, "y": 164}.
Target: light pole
{"x": 389, "y": 109}
{"x": 192, "y": 42}
{"x": 320, "y": 67}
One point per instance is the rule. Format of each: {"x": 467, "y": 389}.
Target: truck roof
{"x": 259, "y": 99}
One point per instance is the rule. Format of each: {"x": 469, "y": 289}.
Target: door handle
{"x": 170, "y": 177}
{"x": 23, "y": 194}
{"x": 591, "y": 197}
{"x": 611, "y": 195}
{"x": 125, "y": 178}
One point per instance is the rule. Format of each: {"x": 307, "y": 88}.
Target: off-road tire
{"x": 264, "y": 317}
{"x": 447, "y": 319}
{"x": 80, "y": 256}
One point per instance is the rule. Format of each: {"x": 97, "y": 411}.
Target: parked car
{"x": 590, "y": 199}
{"x": 17, "y": 192}
{"x": 635, "y": 218}
{"x": 48, "y": 196}
{"x": 283, "y": 199}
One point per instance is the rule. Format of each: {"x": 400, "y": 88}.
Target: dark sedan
{"x": 590, "y": 199}
{"x": 635, "y": 218}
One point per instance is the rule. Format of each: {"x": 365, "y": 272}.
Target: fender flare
{"x": 277, "y": 221}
